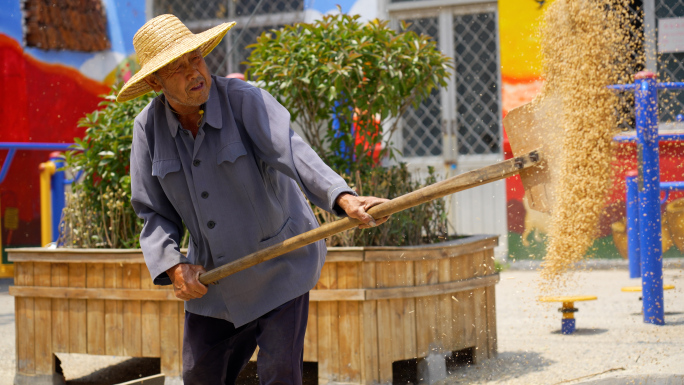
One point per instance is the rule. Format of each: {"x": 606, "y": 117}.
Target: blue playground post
{"x": 57, "y": 192}
{"x": 633, "y": 225}
{"x": 646, "y": 102}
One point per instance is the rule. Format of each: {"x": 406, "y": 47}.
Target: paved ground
{"x": 611, "y": 339}
{"x": 611, "y": 335}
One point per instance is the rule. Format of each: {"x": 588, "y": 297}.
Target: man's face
{"x": 186, "y": 80}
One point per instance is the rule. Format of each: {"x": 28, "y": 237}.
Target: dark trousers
{"x": 214, "y": 351}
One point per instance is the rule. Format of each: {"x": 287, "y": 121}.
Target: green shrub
{"x": 98, "y": 212}
{"x": 340, "y": 71}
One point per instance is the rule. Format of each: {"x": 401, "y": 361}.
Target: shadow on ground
{"x": 584, "y": 332}
{"x": 248, "y": 376}
{"x": 506, "y": 366}
{"x": 128, "y": 370}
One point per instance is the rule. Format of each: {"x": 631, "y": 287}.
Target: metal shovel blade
{"x": 531, "y": 126}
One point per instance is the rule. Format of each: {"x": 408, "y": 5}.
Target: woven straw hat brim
{"x": 206, "y": 41}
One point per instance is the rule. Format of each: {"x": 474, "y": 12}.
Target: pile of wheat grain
{"x": 586, "y": 46}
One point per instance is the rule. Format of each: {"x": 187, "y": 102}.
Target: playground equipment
{"x": 568, "y": 309}
{"x": 52, "y": 183}
{"x": 6, "y": 269}
{"x": 645, "y": 203}
{"x": 636, "y": 289}
{"x": 632, "y": 200}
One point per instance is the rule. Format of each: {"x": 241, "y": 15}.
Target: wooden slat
{"x": 113, "y": 312}
{"x": 349, "y": 328}
{"x": 60, "y": 310}
{"x": 181, "y": 332}
{"x": 150, "y": 318}
{"x": 328, "y": 333}
{"x": 75, "y": 256}
{"x": 319, "y": 295}
{"x": 395, "y": 276}
{"x": 491, "y": 322}
{"x": 369, "y": 370}
{"x": 490, "y": 268}
{"x": 45, "y": 362}
{"x": 170, "y": 351}
{"x": 337, "y": 295}
{"x": 490, "y": 265}
{"x": 450, "y": 249}
{"x": 100, "y": 293}
{"x": 77, "y": 310}
{"x": 333, "y": 323}
{"x": 385, "y": 352}
{"x": 25, "y": 321}
{"x": 480, "y": 311}
{"x": 344, "y": 325}
{"x": 432, "y": 289}
{"x": 311, "y": 336}
{"x": 344, "y": 254}
{"x": 95, "y": 316}
{"x": 409, "y": 313}
{"x": 132, "y": 324}
{"x": 426, "y": 307}
{"x": 444, "y": 318}
{"x": 457, "y": 306}
{"x": 469, "y": 303}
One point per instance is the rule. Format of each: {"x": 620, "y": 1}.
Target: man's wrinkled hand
{"x": 357, "y": 207}
{"x": 185, "y": 281}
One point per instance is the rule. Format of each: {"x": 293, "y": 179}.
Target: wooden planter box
{"x": 372, "y": 306}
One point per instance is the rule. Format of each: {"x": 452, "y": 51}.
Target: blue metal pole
{"x": 646, "y": 102}
{"x": 633, "y": 225}
{"x": 7, "y": 163}
{"x": 57, "y": 192}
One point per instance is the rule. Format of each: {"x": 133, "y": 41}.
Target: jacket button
{"x": 196, "y": 162}
{"x": 211, "y": 224}
{"x": 204, "y": 195}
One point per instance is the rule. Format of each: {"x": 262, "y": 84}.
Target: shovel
{"x": 535, "y": 126}
{"x": 501, "y": 170}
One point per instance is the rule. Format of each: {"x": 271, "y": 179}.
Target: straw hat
{"x": 161, "y": 41}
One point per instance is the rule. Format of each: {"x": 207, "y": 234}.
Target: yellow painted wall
{"x": 519, "y": 25}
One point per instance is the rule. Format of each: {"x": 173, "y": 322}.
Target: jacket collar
{"x": 212, "y": 110}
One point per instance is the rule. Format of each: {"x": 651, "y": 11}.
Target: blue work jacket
{"x": 237, "y": 186}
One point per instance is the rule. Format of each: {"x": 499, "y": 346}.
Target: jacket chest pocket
{"x": 231, "y": 152}
{"x": 233, "y": 163}
{"x": 173, "y": 182}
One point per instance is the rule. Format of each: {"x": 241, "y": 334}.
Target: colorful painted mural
{"x": 44, "y": 94}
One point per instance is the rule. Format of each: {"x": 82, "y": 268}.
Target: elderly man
{"x": 219, "y": 156}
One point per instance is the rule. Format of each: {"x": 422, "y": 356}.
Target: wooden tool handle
{"x": 452, "y": 185}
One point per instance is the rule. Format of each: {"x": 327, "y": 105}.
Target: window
{"x": 466, "y": 117}
{"x": 670, "y": 65}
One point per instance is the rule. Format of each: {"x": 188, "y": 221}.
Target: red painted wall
{"x": 39, "y": 102}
